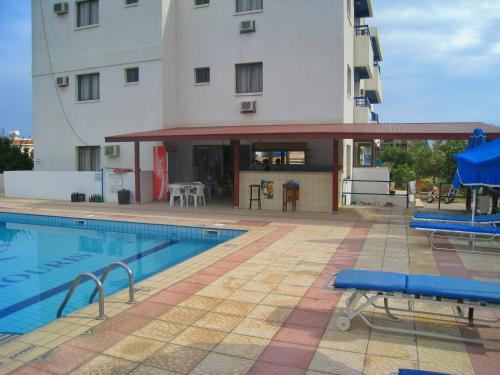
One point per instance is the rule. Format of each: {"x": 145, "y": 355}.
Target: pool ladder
{"x": 99, "y": 289}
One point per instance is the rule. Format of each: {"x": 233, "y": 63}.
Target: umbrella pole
{"x": 472, "y": 236}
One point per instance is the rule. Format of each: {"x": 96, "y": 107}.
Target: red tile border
{"x": 288, "y": 354}
{"x": 263, "y": 368}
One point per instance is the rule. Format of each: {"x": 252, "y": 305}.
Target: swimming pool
{"x": 41, "y": 255}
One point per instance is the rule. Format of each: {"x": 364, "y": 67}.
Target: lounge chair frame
{"x": 471, "y": 239}
{"x": 355, "y": 306}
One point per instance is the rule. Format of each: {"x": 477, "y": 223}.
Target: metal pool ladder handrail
{"x": 75, "y": 283}
{"x": 105, "y": 274}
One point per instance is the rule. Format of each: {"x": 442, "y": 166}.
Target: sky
{"x": 441, "y": 61}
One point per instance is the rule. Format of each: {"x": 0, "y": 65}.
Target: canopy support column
{"x": 335, "y": 176}
{"x": 137, "y": 170}
{"x": 236, "y": 173}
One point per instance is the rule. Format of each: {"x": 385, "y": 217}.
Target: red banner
{"x": 160, "y": 173}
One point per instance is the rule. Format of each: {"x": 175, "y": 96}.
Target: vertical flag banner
{"x": 160, "y": 173}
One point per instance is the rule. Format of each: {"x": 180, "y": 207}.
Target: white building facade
{"x": 105, "y": 67}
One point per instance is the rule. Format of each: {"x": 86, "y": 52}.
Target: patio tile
{"x": 221, "y": 322}
{"x": 229, "y": 282}
{"x": 160, "y": 330}
{"x": 213, "y": 271}
{"x": 179, "y": 359}
{"x": 202, "y": 279}
{"x": 280, "y": 300}
{"x": 62, "y": 359}
{"x": 257, "y": 286}
{"x": 299, "y": 334}
{"x": 185, "y": 288}
{"x": 323, "y": 305}
{"x": 220, "y": 364}
{"x": 247, "y": 296}
{"x": 347, "y": 341}
{"x": 199, "y": 338}
{"x": 270, "y": 278}
{"x": 271, "y": 313}
{"x": 98, "y": 341}
{"x": 148, "y": 370}
{"x": 375, "y": 365}
{"x": 103, "y": 365}
{"x": 25, "y": 370}
{"x": 215, "y": 291}
{"x": 393, "y": 346}
{"x": 124, "y": 323}
{"x": 182, "y": 315}
{"x": 200, "y": 302}
{"x": 134, "y": 348}
{"x": 234, "y": 307}
{"x": 338, "y": 362}
{"x": 288, "y": 354}
{"x": 149, "y": 309}
{"x": 170, "y": 298}
{"x": 263, "y": 368}
{"x": 309, "y": 318}
{"x": 257, "y": 328}
{"x": 290, "y": 290}
{"x": 242, "y": 346}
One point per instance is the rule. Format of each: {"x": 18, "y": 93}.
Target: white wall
{"x": 2, "y": 187}
{"x": 381, "y": 174}
{"x": 59, "y": 185}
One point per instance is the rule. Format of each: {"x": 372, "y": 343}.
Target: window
{"x": 131, "y": 2}
{"x": 201, "y": 2}
{"x": 202, "y": 75}
{"x": 249, "y": 78}
{"x": 349, "y": 81}
{"x": 249, "y": 5}
{"x": 131, "y": 75}
{"x": 88, "y": 87}
{"x": 87, "y": 13}
{"x": 364, "y": 154}
{"x": 89, "y": 158}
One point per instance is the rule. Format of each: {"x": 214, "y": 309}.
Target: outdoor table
{"x": 186, "y": 186}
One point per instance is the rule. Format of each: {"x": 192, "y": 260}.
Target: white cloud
{"x": 458, "y": 37}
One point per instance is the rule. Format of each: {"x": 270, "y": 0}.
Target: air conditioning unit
{"x": 61, "y": 8}
{"x": 112, "y": 151}
{"x": 249, "y": 106}
{"x": 62, "y": 81}
{"x": 247, "y": 27}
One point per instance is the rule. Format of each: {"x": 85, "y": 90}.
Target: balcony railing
{"x": 361, "y": 101}
{"x": 362, "y": 30}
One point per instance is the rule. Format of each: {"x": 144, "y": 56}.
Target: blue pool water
{"x": 41, "y": 255}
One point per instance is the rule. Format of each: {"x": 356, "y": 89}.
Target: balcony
{"x": 363, "y": 8}
{"x": 373, "y": 86}
{"x": 375, "y": 117}
{"x": 377, "y": 50}
{"x": 362, "y": 110}
{"x": 363, "y": 52}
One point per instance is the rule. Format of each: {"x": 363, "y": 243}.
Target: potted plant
{"x": 77, "y": 197}
{"x": 123, "y": 196}
{"x": 96, "y": 198}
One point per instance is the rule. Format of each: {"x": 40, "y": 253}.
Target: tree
{"x": 448, "y": 150}
{"x": 428, "y": 160}
{"x": 12, "y": 157}
{"x": 400, "y": 163}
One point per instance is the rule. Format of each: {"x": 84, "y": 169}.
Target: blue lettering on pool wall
{"x": 11, "y": 279}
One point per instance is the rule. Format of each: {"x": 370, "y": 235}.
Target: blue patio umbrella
{"x": 480, "y": 166}
{"x": 476, "y": 139}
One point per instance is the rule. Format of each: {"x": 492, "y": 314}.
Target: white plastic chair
{"x": 176, "y": 191}
{"x": 197, "y": 192}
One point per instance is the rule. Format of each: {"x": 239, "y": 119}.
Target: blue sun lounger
{"x": 404, "y": 371}
{"x": 471, "y": 233}
{"x": 491, "y": 219}
{"x": 369, "y": 287}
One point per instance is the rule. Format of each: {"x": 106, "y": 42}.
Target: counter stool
{"x": 290, "y": 194}
{"x": 252, "y": 199}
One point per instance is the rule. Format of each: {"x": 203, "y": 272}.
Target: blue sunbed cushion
{"x": 493, "y": 218}
{"x": 444, "y": 227}
{"x": 405, "y": 371}
{"x": 371, "y": 280}
{"x": 450, "y": 287}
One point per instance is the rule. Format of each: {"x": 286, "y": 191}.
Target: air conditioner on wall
{"x": 112, "y": 151}
{"x": 247, "y": 27}
{"x": 62, "y": 81}
{"x": 249, "y": 106}
{"x": 61, "y": 8}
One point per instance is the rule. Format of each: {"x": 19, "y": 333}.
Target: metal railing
{"x": 406, "y": 195}
{"x": 99, "y": 288}
{"x": 75, "y": 283}
{"x": 362, "y": 30}
{"x": 105, "y": 274}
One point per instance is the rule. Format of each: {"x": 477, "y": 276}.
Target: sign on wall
{"x": 160, "y": 173}
{"x": 267, "y": 188}
{"x": 115, "y": 182}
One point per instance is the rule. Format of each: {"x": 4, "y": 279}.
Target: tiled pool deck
{"x": 256, "y": 305}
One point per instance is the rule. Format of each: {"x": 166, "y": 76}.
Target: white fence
{"x": 59, "y": 185}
